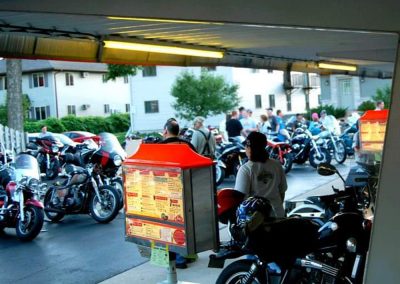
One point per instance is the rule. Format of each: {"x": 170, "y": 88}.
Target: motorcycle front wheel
{"x": 52, "y": 216}
{"x": 287, "y": 162}
{"x": 315, "y": 160}
{"x": 340, "y": 155}
{"x": 52, "y": 171}
{"x": 106, "y": 209}
{"x": 28, "y": 229}
{"x": 236, "y": 272}
{"x": 219, "y": 175}
{"x": 118, "y": 185}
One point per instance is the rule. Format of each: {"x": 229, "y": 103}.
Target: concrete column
{"x": 384, "y": 255}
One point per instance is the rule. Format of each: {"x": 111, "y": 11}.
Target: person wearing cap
{"x": 248, "y": 123}
{"x": 202, "y": 139}
{"x": 315, "y": 124}
{"x": 262, "y": 176}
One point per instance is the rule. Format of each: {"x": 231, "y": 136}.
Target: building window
{"x": 38, "y": 80}
{"x": 126, "y": 79}
{"x": 272, "y": 100}
{"x": 104, "y": 78}
{"x": 208, "y": 69}
{"x": 127, "y": 107}
{"x": 307, "y": 96}
{"x": 107, "y": 108}
{"x": 151, "y": 106}
{"x": 3, "y": 83}
{"x": 289, "y": 102}
{"x": 297, "y": 79}
{"x": 40, "y": 113}
{"x": 270, "y": 71}
{"x": 69, "y": 79}
{"x": 149, "y": 71}
{"x": 71, "y": 110}
{"x": 258, "y": 101}
{"x": 319, "y": 99}
{"x": 315, "y": 80}
{"x": 255, "y": 70}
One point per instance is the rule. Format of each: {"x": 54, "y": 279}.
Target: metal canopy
{"x": 72, "y": 31}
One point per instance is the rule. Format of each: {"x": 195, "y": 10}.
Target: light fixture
{"x": 335, "y": 66}
{"x": 167, "y": 49}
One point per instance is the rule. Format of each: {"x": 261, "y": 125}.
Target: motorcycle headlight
{"x": 54, "y": 149}
{"x": 117, "y": 160}
{"x": 351, "y": 245}
{"x": 33, "y": 183}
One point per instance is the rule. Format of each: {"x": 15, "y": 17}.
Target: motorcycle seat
{"x": 72, "y": 169}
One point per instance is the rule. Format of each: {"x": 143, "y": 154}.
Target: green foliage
{"x": 203, "y": 96}
{"x": 120, "y": 70}
{"x": 330, "y": 110}
{"x": 26, "y": 105}
{"x": 95, "y": 124}
{"x": 3, "y": 115}
{"x": 384, "y": 95}
{"x": 367, "y": 105}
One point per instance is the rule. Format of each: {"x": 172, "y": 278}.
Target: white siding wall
{"x": 91, "y": 91}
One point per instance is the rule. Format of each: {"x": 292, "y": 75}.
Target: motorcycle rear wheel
{"x": 235, "y": 272}
{"x": 30, "y": 228}
{"x": 106, "y": 211}
{"x": 52, "y": 216}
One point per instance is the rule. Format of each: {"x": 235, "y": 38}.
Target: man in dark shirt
{"x": 233, "y": 126}
{"x": 272, "y": 120}
{"x": 171, "y": 134}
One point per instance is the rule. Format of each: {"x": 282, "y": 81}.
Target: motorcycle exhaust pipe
{"x": 313, "y": 264}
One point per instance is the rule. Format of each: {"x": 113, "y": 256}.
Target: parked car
{"x": 81, "y": 136}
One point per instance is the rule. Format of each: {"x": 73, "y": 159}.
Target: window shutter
{"x": 30, "y": 81}
{"x": 47, "y": 111}
{"x": 32, "y": 113}
{"x": 46, "y": 82}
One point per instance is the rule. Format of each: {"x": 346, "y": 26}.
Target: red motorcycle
{"x": 281, "y": 151}
{"x": 19, "y": 207}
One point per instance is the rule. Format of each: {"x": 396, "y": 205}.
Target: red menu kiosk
{"x": 170, "y": 199}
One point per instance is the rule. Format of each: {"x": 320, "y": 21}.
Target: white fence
{"x": 13, "y": 140}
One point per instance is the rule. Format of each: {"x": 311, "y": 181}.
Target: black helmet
{"x": 250, "y": 208}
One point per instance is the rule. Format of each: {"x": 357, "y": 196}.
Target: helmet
{"x": 228, "y": 200}
{"x": 247, "y": 209}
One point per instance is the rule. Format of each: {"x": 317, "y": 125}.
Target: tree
{"x": 120, "y": 70}
{"x": 203, "y": 96}
{"x": 14, "y": 101}
{"x": 384, "y": 95}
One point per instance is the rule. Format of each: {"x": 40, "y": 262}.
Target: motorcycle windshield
{"x": 54, "y": 138}
{"x": 109, "y": 143}
{"x": 26, "y": 166}
{"x": 331, "y": 123}
{"x": 64, "y": 139}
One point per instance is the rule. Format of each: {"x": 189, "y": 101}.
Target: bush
{"x": 53, "y": 125}
{"x": 118, "y": 122}
{"x": 330, "y": 109}
{"x": 72, "y": 123}
{"x": 367, "y": 105}
{"x": 32, "y": 126}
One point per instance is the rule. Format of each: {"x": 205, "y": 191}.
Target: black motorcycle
{"x": 48, "y": 153}
{"x": 230, "y": 156}
{"x": 84, "y": 191}
{"x": 304, "y": 147}
{"x": 304, "y": 251}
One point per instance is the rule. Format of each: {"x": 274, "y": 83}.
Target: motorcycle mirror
{"x": 325, "y": 169}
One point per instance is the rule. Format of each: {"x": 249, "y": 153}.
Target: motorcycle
{"x": 19, "y": 207}
{"x": 334, "y": 144}
{"x": 332, "y": 253}
{"x": 84, "y": 191}
{"x": 229, "y": 158}
{"x": 358, "y": 196}
{"x": 280, "y": 151}
{"x": 347, "y": 137}
{"x": 304, "y": 147}
{"x": 48, "y": 155}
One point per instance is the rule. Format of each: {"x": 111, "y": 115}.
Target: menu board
{"x": 155, "y": 231}
{"x": 372, "y": 135}
{"x": 154, "y": 193}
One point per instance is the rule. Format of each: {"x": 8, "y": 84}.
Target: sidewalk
{"x": 197, "y": 272}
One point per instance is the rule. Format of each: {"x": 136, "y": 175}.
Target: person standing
{"x": 203, "y": 140}
{"x": 272, "y": 120}
{"x": 283, "y": 134}
{"x": 380, "y": 105}
{"x": 263, "y": 126}
{"x": 248, "y": 123}
{"x": 262, "y": 176}
{"x": 234, "y": 127}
